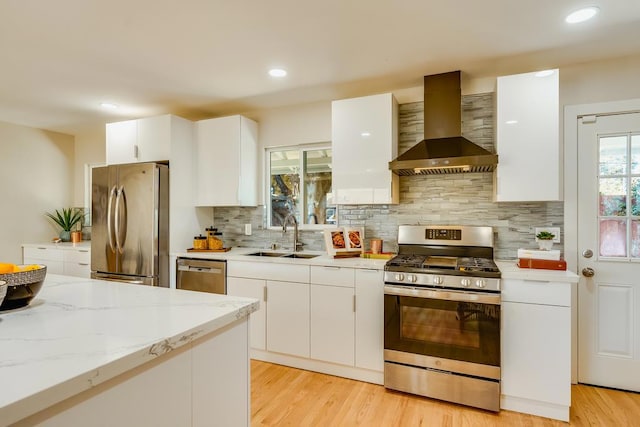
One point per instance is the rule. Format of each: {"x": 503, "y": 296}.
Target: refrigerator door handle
{"x": 112, "y": 193}
{"x": 121, "y": 222}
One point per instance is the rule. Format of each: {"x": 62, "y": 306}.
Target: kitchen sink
{"x": 282, "y": 255}
{"x": 304, "y": 256}
{"x": 271, "y": 254}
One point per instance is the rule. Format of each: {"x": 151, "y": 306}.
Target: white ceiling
{"x": 206, "y": 58}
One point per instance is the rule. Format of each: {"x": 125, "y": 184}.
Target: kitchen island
{"x": 92, "y": 352}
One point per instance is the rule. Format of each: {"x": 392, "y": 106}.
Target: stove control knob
{"x": 437, "y": 280}
{"x": 400, "y": 277}
{"x": 465, "y": 282}
{"x": 412, "y": 278}
{"x": 481, "y": 283}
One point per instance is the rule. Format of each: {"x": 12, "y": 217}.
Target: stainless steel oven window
{"x": 443, "y": 328}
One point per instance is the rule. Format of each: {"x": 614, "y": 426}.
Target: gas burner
{"x": 407, "y": 260}
{"x": 477, "y": 264}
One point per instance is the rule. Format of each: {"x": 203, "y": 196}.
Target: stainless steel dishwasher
{"x": 202, "y": 275}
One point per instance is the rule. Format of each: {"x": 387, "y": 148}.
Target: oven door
{"x": 446, "y": 330}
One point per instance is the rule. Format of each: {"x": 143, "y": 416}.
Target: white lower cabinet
{"x": 332, "y": 324}
{"x": 369, "y": 319}
{"x": 60, "y": 259}
{"x": 288, "y": 318}
{"x": 536, "y": 348}
{"x": 252, "y": 288}
{"x": 322, "y": 318}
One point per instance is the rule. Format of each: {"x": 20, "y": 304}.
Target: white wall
{"x": 36, "y": 176}
{"x": 89, "y": 148}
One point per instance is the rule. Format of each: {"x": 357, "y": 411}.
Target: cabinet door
{"x": 528, "y": 138}
{"x": 332, "y": 324}
{"x": 218, "y": 161}
{"x": 364, "y": 140}
{"x": 370, "y": 319}
{"x": 252, "y": 288}
{"x": 121, "y": 142}
{"x": 288, "y": 318}
{"x": 536, "y": 352}
{"x": 154, "y": 138}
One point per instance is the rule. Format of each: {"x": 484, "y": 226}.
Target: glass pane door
{"x": 619, "y": 196}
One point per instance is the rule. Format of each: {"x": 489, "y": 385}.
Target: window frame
{"x": 301, "y": 148}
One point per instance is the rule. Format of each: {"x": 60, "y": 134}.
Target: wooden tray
{"x": 209, "y": 250}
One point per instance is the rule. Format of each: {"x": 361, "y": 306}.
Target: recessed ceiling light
{"x": 582, "y": 15}
{"x": 511, "y": 122}
{"x": 277, "y": 72}
{"x": 109, "y": 105}
{"x": 365, "y": 134}
{"x": 544, "y": 73}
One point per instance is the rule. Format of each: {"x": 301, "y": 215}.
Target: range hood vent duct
{"x": 444, "y": 150}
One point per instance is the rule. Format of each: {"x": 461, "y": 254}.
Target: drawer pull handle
{"x": 327, "y": 267}
{"x": 83, "y": 263}
{"x": 42, "y": 248}
{"x": 83, "y": 250}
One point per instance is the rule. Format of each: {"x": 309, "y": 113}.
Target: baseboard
{"x": 535, "y": 407}
{"x": 359, "y": 374}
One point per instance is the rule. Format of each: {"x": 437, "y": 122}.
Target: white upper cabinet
{"x": 227, "y": 162}
{"x": 528, "y": 138}
{"x": 364, "y": 134}
{"x": 143, "y": 140}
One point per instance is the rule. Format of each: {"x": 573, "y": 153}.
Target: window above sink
{"x": 300, "y": 182}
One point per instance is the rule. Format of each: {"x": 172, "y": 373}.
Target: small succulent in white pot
{"x": 545, "y": 240}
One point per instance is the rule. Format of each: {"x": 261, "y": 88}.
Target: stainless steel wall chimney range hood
{"x": 443, "y": 149}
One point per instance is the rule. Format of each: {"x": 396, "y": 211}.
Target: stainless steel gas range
{"x": 442, "y": 315}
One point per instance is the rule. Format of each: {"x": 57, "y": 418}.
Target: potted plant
{"x": 545, "y": 240}
{"x": 66, "y": 219}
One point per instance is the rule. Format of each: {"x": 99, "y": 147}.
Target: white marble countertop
{"x": 78, "y": 333}
{"x": 85, "y": 244}
{"x": 510, "y": 270}
{"x": 323, "y": 259}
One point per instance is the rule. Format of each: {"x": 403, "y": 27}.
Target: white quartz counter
{"x": 510, "y": 270}
{"x": 85, "y": 244}
{"x": 240, "y": 254}
{"x": 78, "y": 333}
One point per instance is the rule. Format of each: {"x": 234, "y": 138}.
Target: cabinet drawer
{"x": 77, "y": 269}
{"x": 536, "y": 292}
{"x": 53, "y": 267}
{"x": 330, "y": 275}
{"x": 369, "y": 277}
{"x": 268, "y": 271}
{"x": 78, "y": 256}
{"x": 42, "y": 253}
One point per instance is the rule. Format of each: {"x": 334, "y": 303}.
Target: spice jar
{"x": 214, "y": 241}
{"x": 200, "y": 242}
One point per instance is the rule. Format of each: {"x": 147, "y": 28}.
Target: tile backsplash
{"x": 465, "y": 199}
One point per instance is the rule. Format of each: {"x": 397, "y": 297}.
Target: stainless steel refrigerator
{"x": 130, "y": 223}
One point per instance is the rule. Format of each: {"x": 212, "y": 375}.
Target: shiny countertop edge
{"x": 323, "y": 259}
{"x": 85, "y": 244}
{"x": 45, "y": 393}
{"x": 508, "y": 268}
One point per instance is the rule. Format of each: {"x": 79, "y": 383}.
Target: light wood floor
{"x": 283, "y": 396}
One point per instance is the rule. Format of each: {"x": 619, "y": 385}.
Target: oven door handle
{"x": 449, "y": 295}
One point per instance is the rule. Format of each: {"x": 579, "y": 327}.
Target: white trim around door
{"x": 571, "y": 115}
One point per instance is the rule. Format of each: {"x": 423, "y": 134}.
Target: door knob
{"x": 588, "y": 253}
{"x": 588, "y": 272}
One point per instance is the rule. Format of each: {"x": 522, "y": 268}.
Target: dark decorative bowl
{"x": 22, "y": 287}
{"x": 3, "y": 290}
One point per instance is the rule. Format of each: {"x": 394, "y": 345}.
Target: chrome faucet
{"x": 296, "y": 244}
